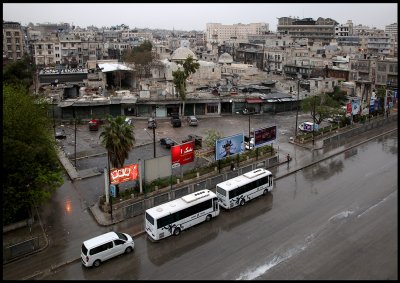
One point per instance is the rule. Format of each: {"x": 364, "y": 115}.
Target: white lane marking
{"x": 375, "y": 205}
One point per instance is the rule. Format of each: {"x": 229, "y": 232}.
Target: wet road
{"x": 334, "y": 220}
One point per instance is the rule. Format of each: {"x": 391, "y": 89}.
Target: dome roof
{"x": 225, "y": 58}
{"x": 182, "y": 53}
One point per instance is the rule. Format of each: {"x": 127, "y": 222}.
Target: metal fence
{"x": 22, "y": 248}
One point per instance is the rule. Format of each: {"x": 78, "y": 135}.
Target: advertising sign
{"x": 356, "y": 107}
{"x": 229, "y": 146}
{"x": 264, "y": 135}
{"x": 348, "y": 109}
{"x": 113, "y": 191}
{"x": 372, "y": 106}
{"x": 182, "y": 153}
{"x": 124, "y": 174}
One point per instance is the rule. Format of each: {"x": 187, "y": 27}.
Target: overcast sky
{"x": 195, "y": 16}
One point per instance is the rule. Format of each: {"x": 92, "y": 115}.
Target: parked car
{"x": 101, "y": 248}
{"x": 60, "y": 134}
{"x": 192, "y": 121}
{"x": 249, "y": 111}
{"x": 94, "y": 125}
{"x": 129, "y": 121}
{"x": 167, "y": 142}
{"x": 335, "y": 119}
{"x": 176, "y": 121}
{"x": 151, "y": 123}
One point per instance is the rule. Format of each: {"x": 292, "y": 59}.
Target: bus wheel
{"x": 177, "y": 231}
{"x": 242, "y": 202}
{"x": 208, "y": 218}
{"x": 265, "y": 192}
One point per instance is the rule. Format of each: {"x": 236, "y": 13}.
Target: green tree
{"x": 180, "y": 76}
{"x": 20, "y": 72}
{"x": 117, "y": 137}
{"x": 325, "y": 107}
{"x": 31, "y": 170}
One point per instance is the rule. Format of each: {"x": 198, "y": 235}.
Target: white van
{"x": 308, "y": 127}
{"x": 101, "y": 248}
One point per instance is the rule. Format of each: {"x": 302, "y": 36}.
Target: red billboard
{"x": 183, "y": 153}
{"x": 264, "y": 135}
{"x": 124, "y": 174}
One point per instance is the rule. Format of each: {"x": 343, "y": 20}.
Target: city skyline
{"x": 180, "y": 16}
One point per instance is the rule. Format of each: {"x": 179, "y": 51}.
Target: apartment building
{"x": 344, "y": 29}
{"x": 319, "y": 30}
{"x": 219, "y": 33}
{"x": 13, "y": 41}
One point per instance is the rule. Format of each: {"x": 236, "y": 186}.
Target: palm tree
{"x": 117, "y": 137}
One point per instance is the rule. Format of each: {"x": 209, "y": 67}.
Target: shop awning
{"x": 254, "y": 100}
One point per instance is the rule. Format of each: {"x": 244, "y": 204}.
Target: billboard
{"x": 264, "y": 135}
{"x": 229, "y": 146}
{"x": 182, "y": 153}
{"x": 356, "y": 107}
{"x": 124, "y": 174}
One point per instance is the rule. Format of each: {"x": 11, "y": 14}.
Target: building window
{"x": 212, "y": 108}
{"x": 8, "y": 33}
{"x": 16, "y": 33}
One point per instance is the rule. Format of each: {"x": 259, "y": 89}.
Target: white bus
{"x": 175, "y": 216}
{"x": 243, "y": 188}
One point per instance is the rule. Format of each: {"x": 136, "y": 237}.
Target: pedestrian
{"x": 288, "y": 157}
{"x": 232, "y": 166}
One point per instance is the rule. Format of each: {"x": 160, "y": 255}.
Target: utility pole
{"x": 108, "y": 178}
{"x": 154, "y": 139}
{"x": 297, "y": 107}
{"x": 313, "y": 138}
{"x": 75, "y": 135}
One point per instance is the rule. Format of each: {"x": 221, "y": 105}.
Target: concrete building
{"x": 219, "y": 33}
{"x": 320, "y": 30}
{"x": 344, "y": 29}
{"x": 13, "y": 41}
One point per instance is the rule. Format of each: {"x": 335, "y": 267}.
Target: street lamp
{"x": 297, "y": 106}
{"x": 154, "y": 138}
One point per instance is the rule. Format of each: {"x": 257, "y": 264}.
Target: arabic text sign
{"x": 264, "y": 135}
{"x": 124, "y": 174}
{"x": 229, "y": 146}
{"x": 183, "y": 153}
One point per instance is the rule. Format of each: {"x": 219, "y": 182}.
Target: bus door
{"x": 215, "y": 204}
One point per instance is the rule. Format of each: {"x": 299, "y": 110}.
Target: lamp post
{"x": 154, "y": 138}
{"x": 297, "y": 106}
{"x": 313, "y": 138}
{"x": 75, "y": 135}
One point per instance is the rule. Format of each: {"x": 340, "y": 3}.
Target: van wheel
{"x": 96, "y": 263}
{"x": 242, "y": 202}
{"x": 128, "y": 250}
{"x": 265, "y": 192}
{"x": 208, "y": 218}
{"x": 177, "y": 231}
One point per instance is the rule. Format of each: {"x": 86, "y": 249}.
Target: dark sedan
{"x": 167, "y": 142}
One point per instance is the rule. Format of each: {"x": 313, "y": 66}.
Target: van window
{"x": 118, "y": 242}
{"x": 121, "y": 236}
{"x": 101, "y": 248}
{"x": 84, "y": 249}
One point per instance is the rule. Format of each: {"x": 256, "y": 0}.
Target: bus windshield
{"x": 149, "y": 218}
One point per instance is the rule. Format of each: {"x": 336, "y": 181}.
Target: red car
{"x": 94, "y": 125}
